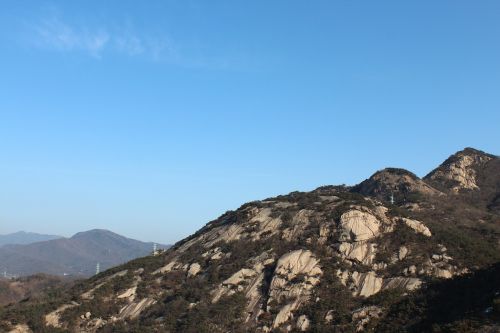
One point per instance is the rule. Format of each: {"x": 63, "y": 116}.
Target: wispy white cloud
{"x": 56, "y": 34}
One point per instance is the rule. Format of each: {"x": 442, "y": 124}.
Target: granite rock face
{"x": 460, "y": 170}
{"x": 286, "y": 289}
{"x": 360, "y": 225}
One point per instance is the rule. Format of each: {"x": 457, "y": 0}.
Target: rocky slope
{"x": 461, "y": 171}
{"x": 33, "y": 287}
{"x": 336, "y": 259}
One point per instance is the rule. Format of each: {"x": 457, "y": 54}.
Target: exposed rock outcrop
{"x": 360, "y": 225}
{"x": 90, "y": 293}
{"x": 249, "y": 281}
{"x": 299, "y": 263}
{"x": 134, "y": 309}
{"x": 418, "y": 226}
{"x": 260, "y": 223}
{"x": 403, "y": 252}
{"x": 369, "y": 283}
{"x": 363, "y": 252}
{"x": 364, "y": 315}
{"x": 21, "y": 328}
{"x": 404, "y": 283}
{"x": 129, "y": 293}
{"x": 296, "y": 273}
{"x": 173, "y": 265}
{"x": 298, "y": 224}
{"x": 366, "y": 284}
{"x": 303, "y": 323}
{"x": 194, "y": 269}
{"x": 52, "y": 319}
{"x": 214, "y": 254}
{"x": 459, "y": 170}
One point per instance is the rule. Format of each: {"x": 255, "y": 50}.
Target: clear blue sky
{"x": 151, "y": 118}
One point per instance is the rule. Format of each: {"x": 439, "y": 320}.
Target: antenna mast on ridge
{"x": 97, "y": 269}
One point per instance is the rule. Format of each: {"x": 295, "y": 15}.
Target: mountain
{"x": 22, "y": 237}
{"x": 335, "y": 259}
{"x": 398, "y": 183}
{"x": 77, "y": 255}
{"x": 472, "y": 174}
{"x": 461, "y": 171}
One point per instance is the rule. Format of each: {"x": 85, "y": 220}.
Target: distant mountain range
{"x": 77, "y": 255}
{"x": 23, "y": 237}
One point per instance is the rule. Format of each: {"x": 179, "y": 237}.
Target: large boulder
{"x": 360, "y": 225}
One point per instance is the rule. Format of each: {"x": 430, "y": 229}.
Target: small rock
{"x": 99, "y": 323}
{"x": 363, "y": 316}
{"x": 443, "y": 273}
{"x": 329, "y": 316}
{"x": 403, "y": 252}
{"x": 303, "y": 323}
{"x": 194, "y": 269}
{"x": 379, "y": 266}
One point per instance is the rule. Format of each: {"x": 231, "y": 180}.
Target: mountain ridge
{"x": 335, "y": 259}
{"x": 77, "y": 255}
{"x": 24, "y": 237}
{"x": 458, "y": 171}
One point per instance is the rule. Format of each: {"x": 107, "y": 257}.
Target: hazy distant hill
{"x": 77, "y": 255}
{"x": 23, "y": 237}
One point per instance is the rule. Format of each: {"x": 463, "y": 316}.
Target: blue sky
{"x": 151, "y": 118}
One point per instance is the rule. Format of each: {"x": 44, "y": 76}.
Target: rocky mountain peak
{"x": 460, "y": 171}
{"x": 400, "y": 183}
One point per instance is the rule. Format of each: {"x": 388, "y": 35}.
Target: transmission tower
{"x": 97, "y": 269}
